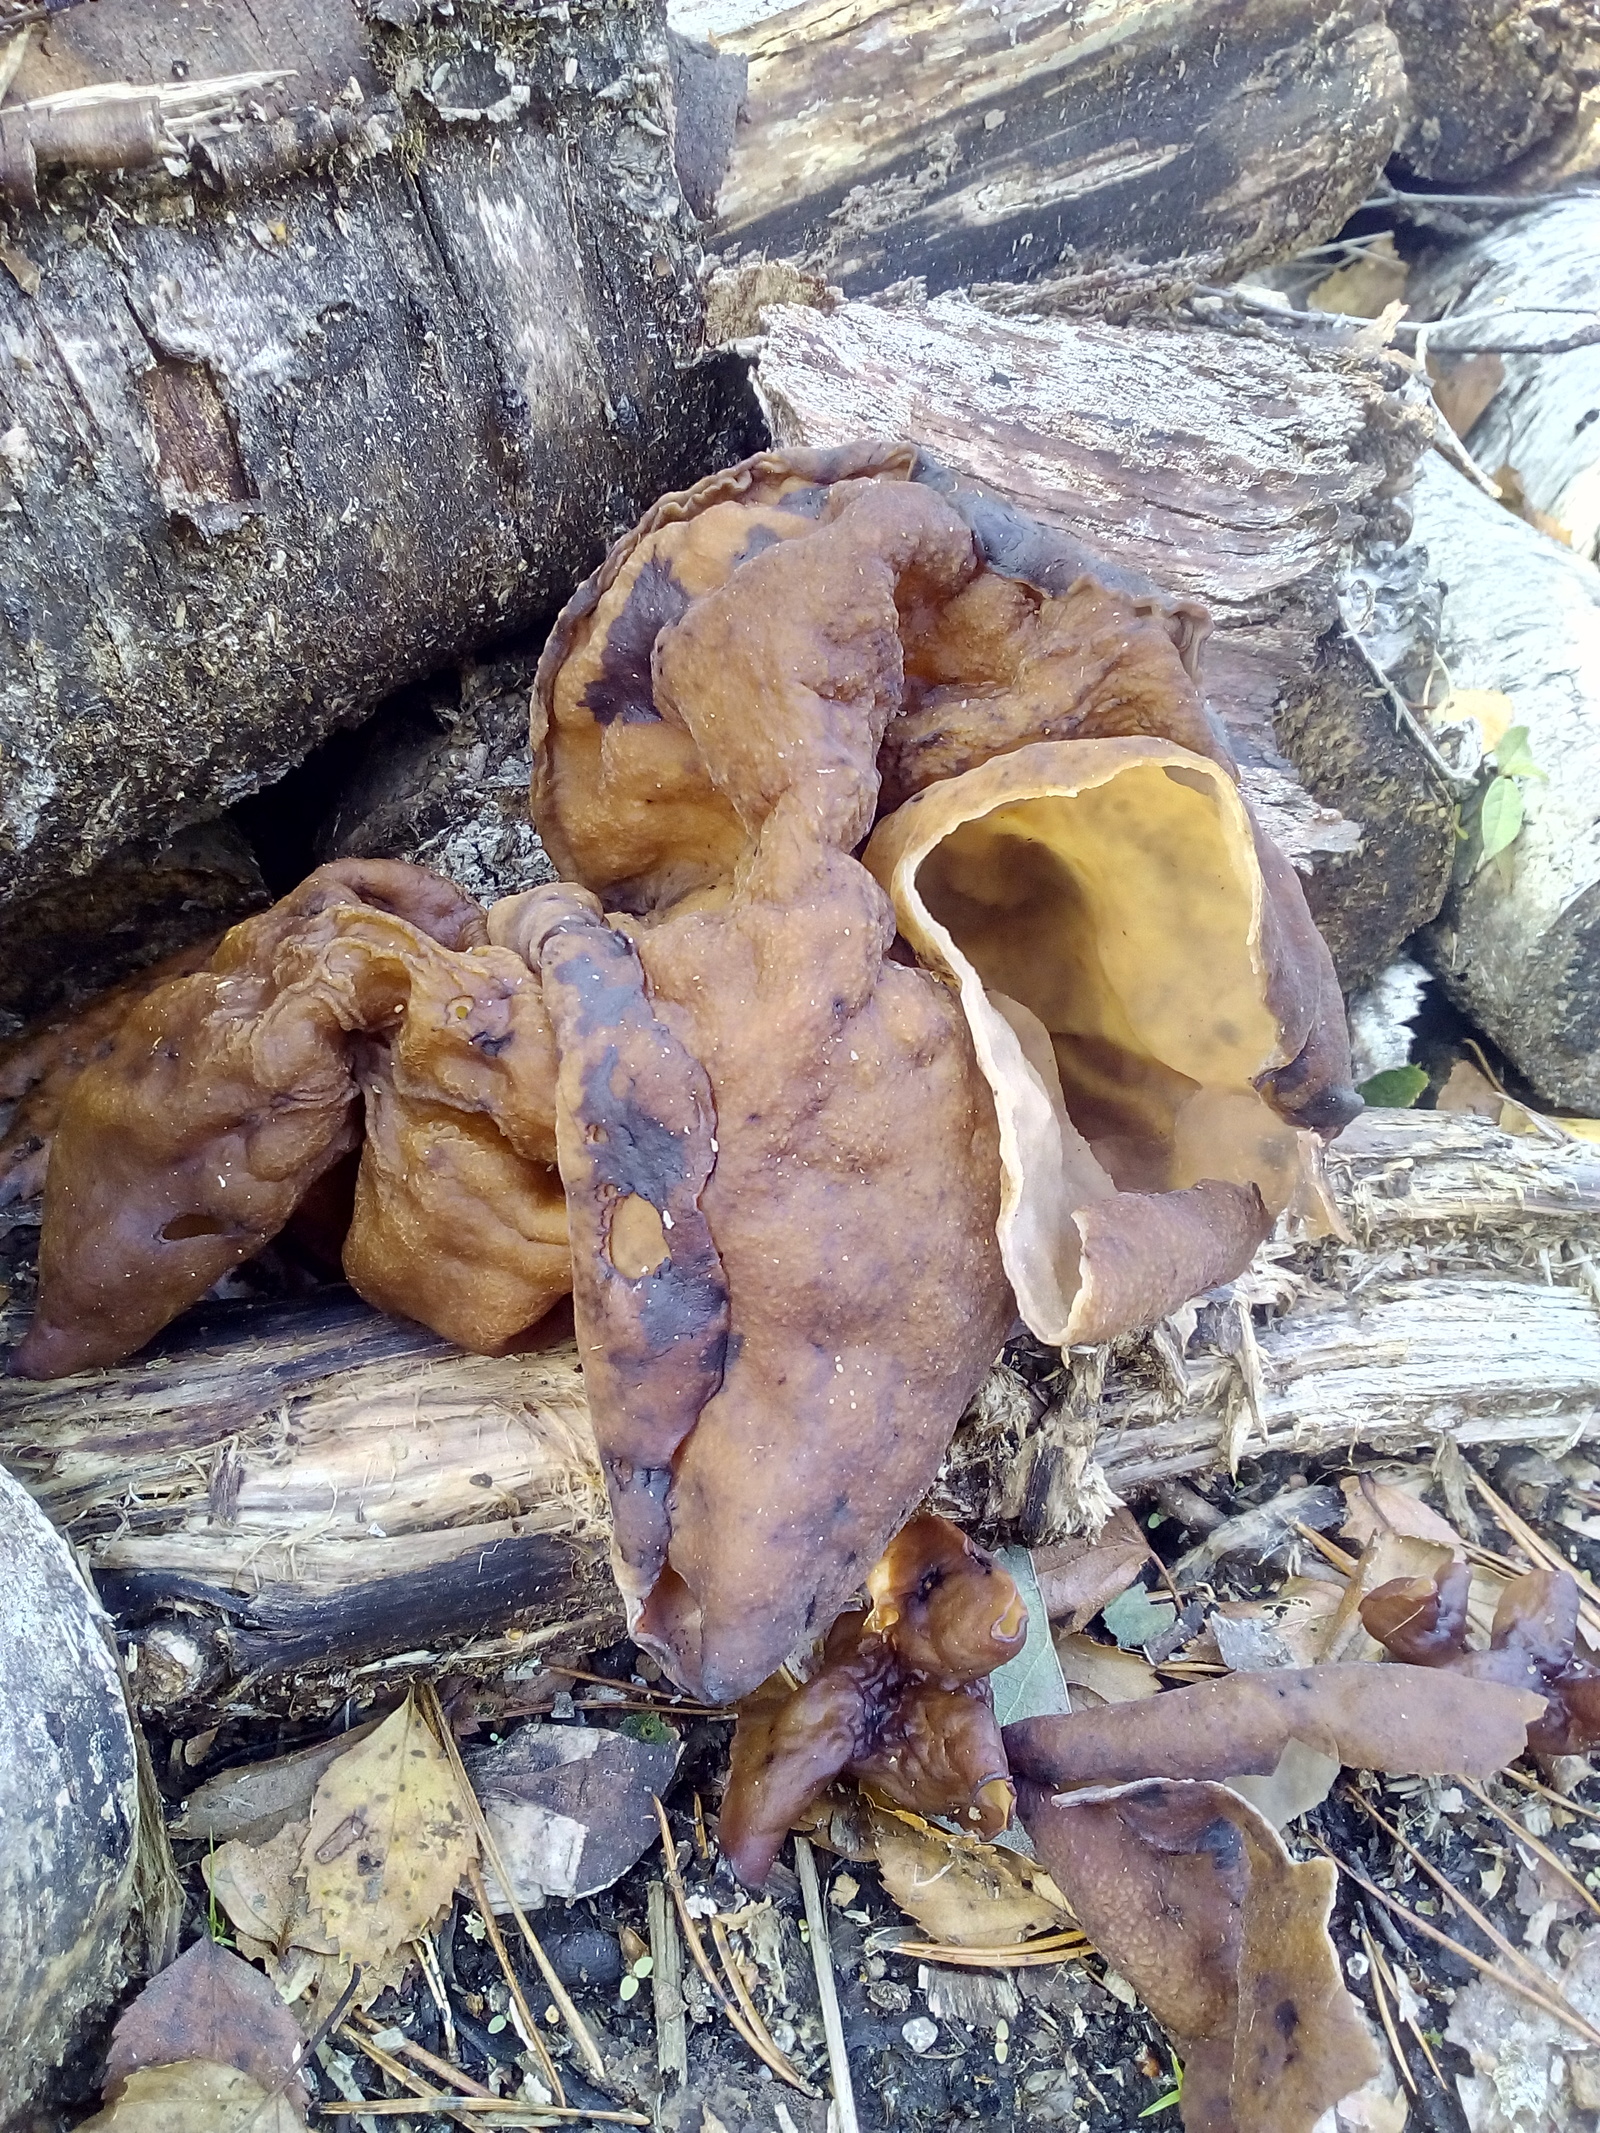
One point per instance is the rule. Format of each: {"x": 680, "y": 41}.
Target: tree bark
{"x": 964, "y": 142}
{"x": 1532, "y": 283}
{"x": 283, "y": 1501}
{"x": 335, "y": 404}
{"x": 1488, "y": 80}
{"x": 1518, "y": 942}
{"x": 1231, "y": 466}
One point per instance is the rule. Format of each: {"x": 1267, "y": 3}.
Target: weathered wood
{"x": 1518, "y": 941}
{"x": 277, "y": 439}
{"x": 283, "y": 1501}
{"x": 963, "y": 141}
{"x": 69, "y": 1804}
{"x": 1487, "y": 81}
{"x": 1235, "y": 467}
{"x": 1533, "y": 283}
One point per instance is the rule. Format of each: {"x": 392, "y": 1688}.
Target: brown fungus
{"x": 1533, "y": 1645}
{"x": 1188, "y": 1892}
{"x": 901, "y": 1702}
{"x": 227, "y": 1094}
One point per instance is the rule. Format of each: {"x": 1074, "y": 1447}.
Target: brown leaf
{"x": 255, "y": 1802}
{"x": 1463, "y": 385}
{"x": 1113, "y": 1676}
{"x": 193, "y": 2096}
{"x": 1077, "y": 1577}
{"x": 210, "y": 2005}
{"x": 966, "y": 1894}
{"x": 1191, "y": 1896}
{"x": 1401, "y": 1719}
{"x": 389, "y": 1839}
{"x": 1376, "y": 1506}
{"x": 260, "y": 1888}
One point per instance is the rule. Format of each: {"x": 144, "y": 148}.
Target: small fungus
{"x": 901, "y": 1702}
{"x": 1190, "y": 1895}
{"x": 1533, "y": 1645}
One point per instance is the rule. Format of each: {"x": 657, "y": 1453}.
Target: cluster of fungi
{"x": 915, "y": 965}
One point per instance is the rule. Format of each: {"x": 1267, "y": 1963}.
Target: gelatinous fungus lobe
{"x": 1100, "y": 903}
{"x": 1189, "y": 1893}
{"x": 901, "y": 1701}
{"x": 228, "y": 1094}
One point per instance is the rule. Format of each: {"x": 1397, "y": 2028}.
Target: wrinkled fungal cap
{"x": 900, "y": 1702}
{"x": 1190, "y": 1895}
{"x": 1100, "y": 905}
{"x": 943, "y": 1604}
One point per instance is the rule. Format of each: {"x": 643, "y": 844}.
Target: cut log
{"x": 283, "y": 1504}
{"x": 296, "y": 411}
{"x": 69, "y": 1804}
{"x": 971, "y": 142}
{"x": 1533, "y": 283}
{"x": 1487, "y": 81}
{"x": 1234, "y": 467}
{"x": 1518, "y": 942}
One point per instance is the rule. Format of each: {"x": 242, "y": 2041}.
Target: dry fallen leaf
{"x": 1114, "y": 1676}
{"x": 260, "y": 1888}
{"x": 209, "y": 2005}
{"x": 1490, "y": 710}
{"x": 1077, "y": 1577}
{"x": 256, "y": 1801}
{"x": 389, "y": 1839}
{"x": 193, "y": 2096}
{"x": 1379, "y": 1506}
{"x": 961, "y": 1892}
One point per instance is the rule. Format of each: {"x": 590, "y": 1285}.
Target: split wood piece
{"x": 289, "y": 1505}
{"x": 1516, "y": 943}
{"x": 1529, "y": 284}
{"x": 968, "y": 142}
{"x": 1259, "y": 468}
{"x": 666, "y": 1985}
{"x": 209, "y": 509}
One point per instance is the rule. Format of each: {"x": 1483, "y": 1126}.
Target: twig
{"x": 1562, "y": 344}
{"x": 502, "y": 2110}
{"x": 1519, "y": 203}
{"x": 741, "y": 1991}
{"x": 409, "y": 2049}
{"x": 1380, "y": 1994}
{"x": 1542, "y": 1553}
{"x": 844, "y": 2095}
{"x": 1469, "y": 1909}
{"x": 1532, "y": 1784}
{"x": 1407, "y": 721}
{"x": 428, "y": 1957}
{"x": 558, "y": 1992}
{"x": 421, "y": 2091}
{"x": 1507, "y": 1980}
{"x": 666, "y": 1985}
{"x": 1023, "y": 1955}
{"x": 767, "y": 2053}
{"x": 531, "y": 2033}
{"x": 1539, "y": 1849}
{"x": 1346, "y": 1564}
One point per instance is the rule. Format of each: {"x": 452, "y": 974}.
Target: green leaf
{"x": 1499, "y": 818}
{"x": 1134, "y": 1619}
{"x": 1395, "y": 1089}
{"x": 1512, "y": 758}
{"x": 1030, "y": 1685}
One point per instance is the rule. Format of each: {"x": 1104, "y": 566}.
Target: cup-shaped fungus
{"x": 1101, "y": 905}
{"x": 901, "y": 1702}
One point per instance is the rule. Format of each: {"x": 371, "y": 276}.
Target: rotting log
{"x": 1240, "y": 467}
{"x": 1487, "y": 81}
{"x": 967, "y": 141}
{"x": 299, "y": 409}
{"x": 284, "y": 1505}
{"x": 1532, "y": 284}
{"x": 1518, "y": 942}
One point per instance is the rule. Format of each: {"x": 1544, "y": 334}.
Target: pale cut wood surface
{"x": 979, "y": 140}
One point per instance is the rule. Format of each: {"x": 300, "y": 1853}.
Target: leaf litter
{"x": 1260, "y": 1597}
